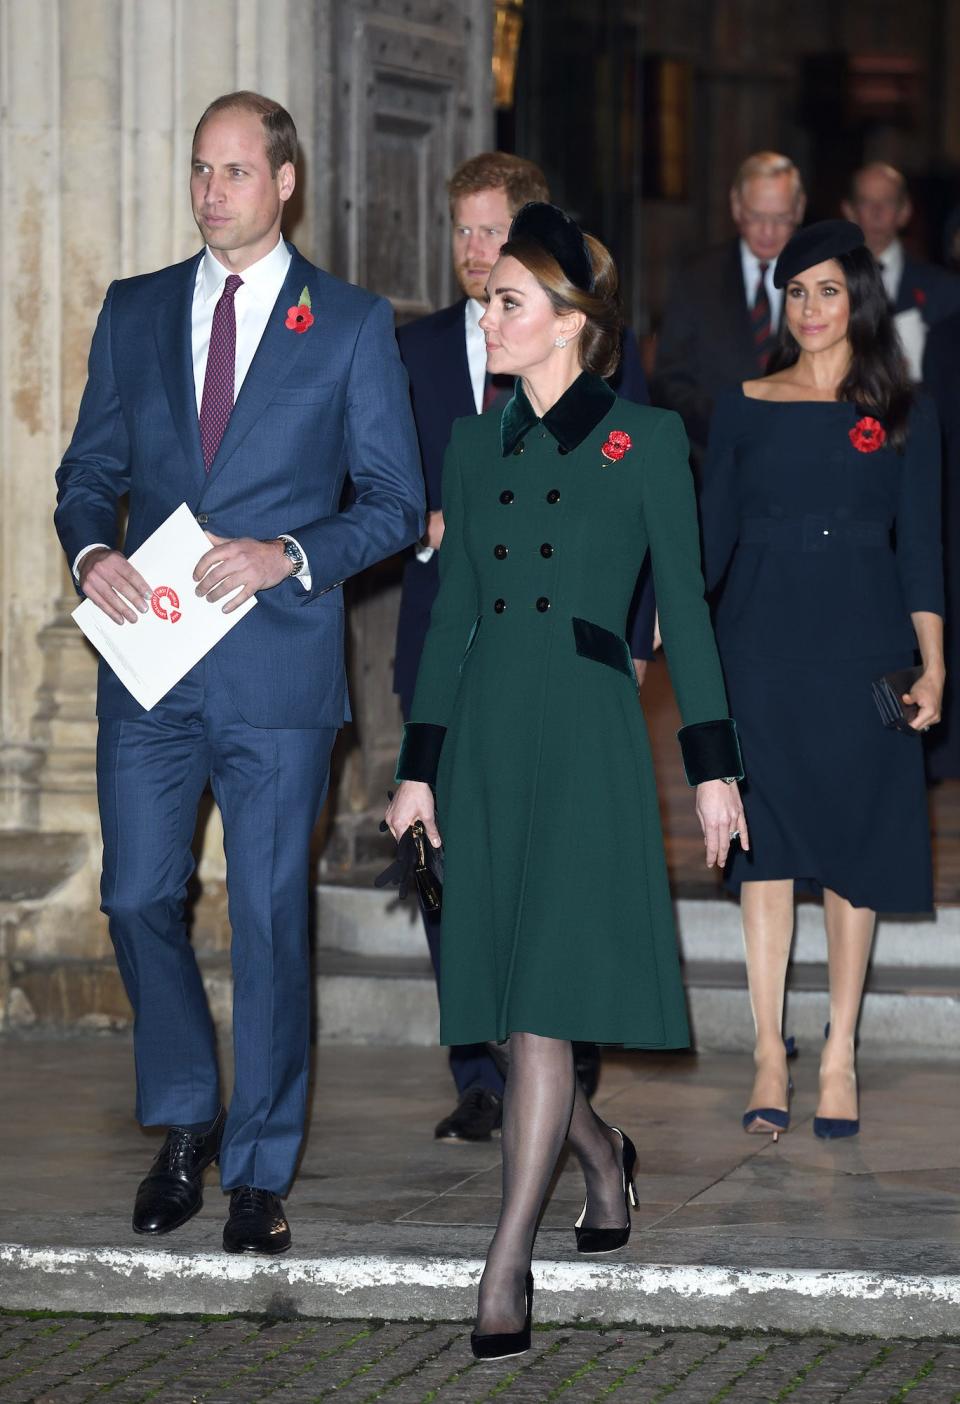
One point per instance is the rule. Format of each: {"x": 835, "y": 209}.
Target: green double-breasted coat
{"x": 556, "y": 911}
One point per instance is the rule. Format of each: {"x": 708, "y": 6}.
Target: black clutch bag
{"x": 888, "y": 694}
{"x": 416, "y": 862}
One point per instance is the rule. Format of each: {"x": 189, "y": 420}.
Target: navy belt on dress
{"x": 811, "y": 533}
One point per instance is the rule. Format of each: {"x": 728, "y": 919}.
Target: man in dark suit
{"x": 921, "y": 294}
{"x": 941, "y": 378}
{"x": 445, "y": 357}
{"x": 719, "y": 323}
{"x": 249, "y": 384}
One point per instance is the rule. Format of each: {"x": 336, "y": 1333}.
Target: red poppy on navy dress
{"x": 868, "y": 435}
{"x": 919, "y": 296}
{"x": 618, "y": 443}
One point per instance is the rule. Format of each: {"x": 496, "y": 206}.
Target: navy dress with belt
{"x": 819, "y": 552}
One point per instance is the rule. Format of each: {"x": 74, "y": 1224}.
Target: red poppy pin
{"x": 300, "y": 318}
{"x": 868, "y": 435}
{"x": 919, "y": 296}
{"x": 618, "y": 443}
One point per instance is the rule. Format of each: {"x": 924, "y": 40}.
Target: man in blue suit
{"x": 921, "y": 295}
{"x": 249, "y": 384}
{"x": 445, "y": 357}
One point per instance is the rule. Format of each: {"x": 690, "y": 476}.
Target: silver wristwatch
{"x": 729, "y": 779}
{"x": 293, "y": 553}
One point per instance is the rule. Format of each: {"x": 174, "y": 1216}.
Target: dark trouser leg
{"x": 270, "y": 786}
{"x": 151, "y": 772}
{"x": 470, "y": 1063}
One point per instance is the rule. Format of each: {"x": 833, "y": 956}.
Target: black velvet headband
{"x": 815, "y": 244}
{"x": 560, "y": 235}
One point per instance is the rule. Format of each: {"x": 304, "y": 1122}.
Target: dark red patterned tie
{"x": 216, "y": 404}
{"x": 760, "y": 317}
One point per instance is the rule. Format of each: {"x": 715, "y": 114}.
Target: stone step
{"x": 376, "y": 923}
{"x": 394, "y": 1272}
{"x": 391, "y": 1000}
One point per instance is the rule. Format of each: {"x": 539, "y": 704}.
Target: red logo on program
{"x": 161, "y": 593}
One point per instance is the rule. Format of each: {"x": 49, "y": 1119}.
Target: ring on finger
{"x": 734, "y": 835}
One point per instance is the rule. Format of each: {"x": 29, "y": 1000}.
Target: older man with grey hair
{"x": 722, "y": 315}
{"x": 921, "y": 294}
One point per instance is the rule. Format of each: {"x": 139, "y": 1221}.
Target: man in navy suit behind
{"x": 920, "y": 294}
{"x": 445, "y": 356}
{"x": 249, "y": 384}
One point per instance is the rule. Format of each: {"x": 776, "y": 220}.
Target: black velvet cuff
{"x": 711, "y": 751}
{"x": 420, "y": 752}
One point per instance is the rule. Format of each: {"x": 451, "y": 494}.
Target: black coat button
{"x": 543, "y": 604}
{"x": 499, "y": 606}
{"x": 553, "y": 495}
{"x": 202, "y": 519}
{"x": 546, "y": 550}
{"x": 506, "y": 497}
{"x": 500, "y": 552}
{"x": 561, "y": 449}
{"x": 518, "y": 450}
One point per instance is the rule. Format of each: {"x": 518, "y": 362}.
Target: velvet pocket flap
{"x": 602, "y": 646}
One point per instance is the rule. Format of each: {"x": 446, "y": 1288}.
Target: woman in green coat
{"x": 557, "y": 922}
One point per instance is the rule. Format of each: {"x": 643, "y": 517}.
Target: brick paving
{"x": 69, "y": 1360}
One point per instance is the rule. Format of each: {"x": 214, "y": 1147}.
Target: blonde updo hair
{"x": 599, "y": 343}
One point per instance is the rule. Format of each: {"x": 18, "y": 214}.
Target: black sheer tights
{"x": 543, "y": 1106}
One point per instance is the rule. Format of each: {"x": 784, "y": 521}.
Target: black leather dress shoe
{"x": 476, "y": 1116}
{"x": 256, "y": 1223}
{"x": 173, "y": 1190}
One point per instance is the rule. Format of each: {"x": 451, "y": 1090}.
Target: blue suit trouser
{"x": 269, "y": 785}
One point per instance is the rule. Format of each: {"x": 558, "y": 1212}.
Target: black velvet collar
{"x": 575, "y": 415}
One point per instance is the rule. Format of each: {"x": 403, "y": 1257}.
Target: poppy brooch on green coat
{"x": 618, "y": 443}
{"x": 868, "y": 435}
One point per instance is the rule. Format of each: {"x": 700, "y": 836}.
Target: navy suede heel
{"x": 836, "y": 1128}
{"x": 775, "y": 1121}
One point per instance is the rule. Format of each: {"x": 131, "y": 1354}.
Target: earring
{"x": 561, "y": 341}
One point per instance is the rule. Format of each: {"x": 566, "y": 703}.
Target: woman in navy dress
{"x": 821, "y": 522}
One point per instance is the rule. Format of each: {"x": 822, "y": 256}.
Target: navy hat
{"x": 560, "y": 235}
{"x": 815, "y": 244}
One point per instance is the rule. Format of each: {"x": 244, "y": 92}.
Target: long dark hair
{"x": 877, "y": 381}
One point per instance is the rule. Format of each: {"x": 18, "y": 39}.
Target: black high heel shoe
{"x": 500, "y": 1345}
{"x": 608, "y": 1240}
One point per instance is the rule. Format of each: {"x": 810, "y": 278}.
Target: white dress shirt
{"x": 891, "y": 269}
{"x": 751, "y": 278}
{"x": 253, "y": 302}
{"x": 476, "y": 349}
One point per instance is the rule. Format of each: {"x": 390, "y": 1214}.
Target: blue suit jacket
{"x": 434, "y": 351}
{"x": 314, "y": 409}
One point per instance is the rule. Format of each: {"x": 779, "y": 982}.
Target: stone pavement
{"x": 67, "y": 1360}
{"x": 857, "y": 1237}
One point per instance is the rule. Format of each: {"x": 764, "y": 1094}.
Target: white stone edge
{"x": 349, "y": 1274}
